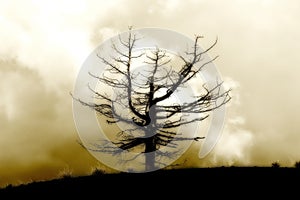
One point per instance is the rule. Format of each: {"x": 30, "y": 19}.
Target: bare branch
{"x": 174, "y": 124}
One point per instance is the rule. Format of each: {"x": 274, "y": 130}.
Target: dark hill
{"x": 161, "y": 183}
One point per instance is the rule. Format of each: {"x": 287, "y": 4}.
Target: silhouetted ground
{"x": 251, "y": 181}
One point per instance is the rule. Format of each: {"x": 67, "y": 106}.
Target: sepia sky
{"x": 44, "y": 43}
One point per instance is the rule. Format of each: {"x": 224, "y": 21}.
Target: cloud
{"x": 40, "y": 57}
{"x": 235, "y": 145}
{"x": 38, "y": 138}
{"x": 56, "y": 42}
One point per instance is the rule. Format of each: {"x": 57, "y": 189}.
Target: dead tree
{"x": 150, "y": 121}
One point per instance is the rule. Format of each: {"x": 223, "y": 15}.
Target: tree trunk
{"x": 150, "y": 143}
{"x": 150, "y": 148}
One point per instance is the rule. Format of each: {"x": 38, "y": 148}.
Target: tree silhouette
{"x": 297, "y": 164}
{"x": 142, "y": 97}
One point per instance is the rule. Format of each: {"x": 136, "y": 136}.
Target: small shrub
{"x": 97, "y": 172}
{"x": 65, "y": 173}
{"x": 297, "y": 165}
{"x": 275, "y": 165}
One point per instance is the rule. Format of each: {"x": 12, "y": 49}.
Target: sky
{"x": 44, "y": 44}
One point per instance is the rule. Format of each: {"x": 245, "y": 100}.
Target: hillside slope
{"x": 168, "y": 182}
